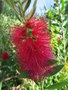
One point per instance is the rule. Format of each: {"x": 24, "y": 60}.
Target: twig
{"x": 41, "y": 84}
{"x": 10, "y": 78}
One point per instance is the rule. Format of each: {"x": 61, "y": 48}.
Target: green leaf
{"x": 66, "y": 67}
{"x": 52, "y": 62}
{"x": 27, "y": 5}
{"x": 0, "y": 85}
{"x": 23, "y": 75}
{"x": 62, "y": 4}
{"x": 56, "y": 69}
{"x": 37, "y": 82}
{"x": 10, "y": 2}
{"x": 32, "y": 11}
{"x": 58, "y": 85}
{"x": 66, "y": 1}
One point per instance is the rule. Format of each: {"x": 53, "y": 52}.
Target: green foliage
{"x": 1, "y": 5}
{"x": 56, "y": 69}
{"x": 20, "y": 7}
{"x": 23, "y": 75}
{"x": 27, "y": 5}
{"x": 9, "y": 70}
{"x": 58, "y": 85}
{"x": 0, "y": 85}
{"x": 32, "y": 11}
{"x": 59, "y": 28}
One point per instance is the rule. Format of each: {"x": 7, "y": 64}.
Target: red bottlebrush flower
{"x": 33, "y": 47}
{"x": 58, "y": 38}
{"x": 5, "y": 56}
{"x": 18, "y": 34}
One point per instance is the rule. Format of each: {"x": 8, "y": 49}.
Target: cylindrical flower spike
{"x": 33, "y": 47}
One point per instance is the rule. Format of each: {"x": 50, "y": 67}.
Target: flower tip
{"x": 58, "y": 38}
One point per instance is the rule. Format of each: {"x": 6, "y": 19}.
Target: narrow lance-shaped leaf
{"x": 11, "y": 4}
{"x": 56, "y": 69}
{"x": 62, "y": 4}
{"x": 0, "y": 85}
{"x": 52, "y": 62}
{"x": 27, "y": 5}
{"x": 20, "y": 8}
{"x": 8, "y": 2}
{"x": 32, "y": 11}
{"x": 58, "y": 85}
{"x": 18, "y": 18}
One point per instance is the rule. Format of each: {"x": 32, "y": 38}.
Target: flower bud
{"x": 5, "y": 56}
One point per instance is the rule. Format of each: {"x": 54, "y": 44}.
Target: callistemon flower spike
{"x": 33, "y": 47}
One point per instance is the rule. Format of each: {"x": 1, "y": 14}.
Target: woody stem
{"x": 41, "y": 84}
